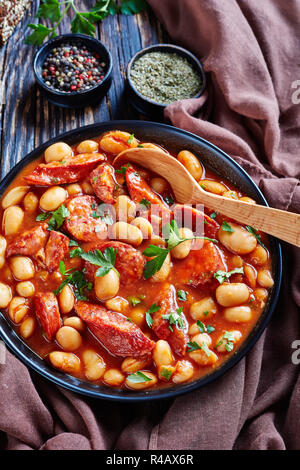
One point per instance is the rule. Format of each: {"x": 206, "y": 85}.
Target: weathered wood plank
{"x": 28, "y": 119}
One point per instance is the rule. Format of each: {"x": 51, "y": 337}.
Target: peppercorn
{"x": 73, "y": 68}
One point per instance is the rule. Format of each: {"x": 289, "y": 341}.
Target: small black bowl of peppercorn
{"x": 161, "y": 74}
{"x": 73, "y": 70}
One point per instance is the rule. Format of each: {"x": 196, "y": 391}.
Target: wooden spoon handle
{"x": 281, "y": 224}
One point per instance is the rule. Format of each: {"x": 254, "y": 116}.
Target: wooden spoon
{"x": 281, "y": 224}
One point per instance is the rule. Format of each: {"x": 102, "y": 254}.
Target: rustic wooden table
{"x": 27, "y": 119}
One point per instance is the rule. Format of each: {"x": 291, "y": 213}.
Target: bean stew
{"x": 110, "y": 280}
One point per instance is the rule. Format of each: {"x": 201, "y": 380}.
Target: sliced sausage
{"x": 70, "y": 170}
{"x": 81, "y": 224}
{"x": 29, "y": 243}
{"x": 177, "y": 338}
{"x": 46, "y": 310}
{"x": 56, "y": 249}
{"x": 115, "y": 332}
{"x": 103, "y": 183}
{"x": 139, "y": 189}
{"x": 200, "y": 265}
{"x": 200, "y": 223}
{"x": 129, "y": 262}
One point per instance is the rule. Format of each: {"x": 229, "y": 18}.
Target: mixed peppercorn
{"x": 73, "y": 68}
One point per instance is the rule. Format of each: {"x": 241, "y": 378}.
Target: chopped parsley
{"x": 182, "y": 295}
{"x": 134, "y": 300}
{"x": 152, "y": 309}
{"x": 229, "y": 338}
{"x": 174, "y": 318}
{"x": 122, "y": 170}
{"x": 222, "y": 276}
{"x": 213, "y": 215}
{"x": 201, "y": 326}
{"x": 256, "y": 234}
{"x": 130, "y": 139}
{"x": 138, "y": 378}
{"x": 209, "y": 329}
{"x": 226, "y": 227}
{"x": 166, "y": 373}
{"x": 169, "y": 200}
{"x": 194, "y": 346}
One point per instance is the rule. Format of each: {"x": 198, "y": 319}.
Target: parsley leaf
{"x": 194, "y": 346}
{"x": 222, "y": 276}
{"x": 134, "y": 300}
{"x": 201, "y": 326}
{"x": 152, "y": 309}
{"x": 129, "y": 7}
{"x": 138, "y": 378}
{"x": 172, "y": 237}
{"x": 145, "y": 202}
{"x": 122, "y": 170}
{"x": 131, "y": 137}
{"x": 256, "y": 234}
{"x": 166, "y": 373}
{"x": 174, "y": 318}
{"x": 57, "y": 217}
{"x": 77, "y": 279}
{"x": 213, "y": 215}
{"x": 182, "y": 295}
{"x": 226, "y": 227}
{"x": 40, "y": 32}
{"x": 55, "y": 10}
{"x": 49, "y": 9}
{"x": 105, "y": 260}
{"x": 209, "y": 329}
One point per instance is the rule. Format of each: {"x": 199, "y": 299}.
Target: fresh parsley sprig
{"x": 75, "y": 278}
{"x": 194, "y": 346}
{"x": 105, "y": 261}
{"x": 83, "y": 22}
{"x": 256, "y": 234}
{"x": 57, "y": 217}
{"x": 173, "y": 239}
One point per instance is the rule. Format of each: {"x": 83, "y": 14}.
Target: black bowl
{"x": 145, "y": 105}
{"x": 76, "y": 99}
{"x": 212, "y": 157}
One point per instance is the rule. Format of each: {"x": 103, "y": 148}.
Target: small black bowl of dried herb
{"x": 73, "y": 70}
{"x": 161, "y": 74}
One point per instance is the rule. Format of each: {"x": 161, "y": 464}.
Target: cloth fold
{"x": 249, "y": 50}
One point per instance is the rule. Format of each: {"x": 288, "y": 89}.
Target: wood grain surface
{"x": 27, "y": 119}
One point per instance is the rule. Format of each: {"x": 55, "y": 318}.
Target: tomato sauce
{"x": 254, "y": 271}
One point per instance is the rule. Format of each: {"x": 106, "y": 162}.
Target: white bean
{"x": 68, "y": 362}
{"x": 183, "y": 372}
{"x": 12, "y": 220}
{"x": 204, "y": 308}
{"x": 144, "y": 226}
{"x": 22, "y": 268}
{"x": 75, "y": 322}
{"x": 127, "y": 233}
{"x": 66, "y": 300}
{"x": 53, "y": 198}
{"x": 31, "y": 202}
{"x": 162, "y": 353}
{"x": 94, "y": 365}
{"x": 57, "y": 152}
{"x": 142, "y": 385}
{"x": 264, "y": 278}
{"x": 230, "y": 295}
{"x": 27, "y": 327}
{"x": 240, "y": 241}
{"x": 14, "y": 196}
{"x": 117, "y": 304}
{"x": 113, "y": 377}
{"x": 87, "y": 146}
{"x": 183, "y": 249}
{"x": 25, "y": 289}
{"x": 240, "y": 314}
{"x": 5, "y": 295}
{"x": 106, "y": 287}
{"x": 3, "y": 244}
{"x": 227, "y": 339}
{"x": 68, "y": 338}
{"x": 125, "y": 208}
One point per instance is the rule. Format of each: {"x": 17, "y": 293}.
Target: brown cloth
{"x": 250, "y": 49}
